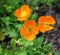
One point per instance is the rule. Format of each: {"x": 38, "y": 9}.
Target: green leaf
{"x": 21, "y": 51}
{"x": 6, "y": 30}
{"x": 47, "y": 46}
{"x": 25, "y": 42}
{"x": 0, "y": 50}
{"x": 2, "y": 36}
{"x": 34, "y": 16}
{"x": 13, "y": 33}
{"x": 8, "y": 8}
{"x": 56, "y": 53}
{"x": 7, "y": 52}
{"x": 42, "y": 53}
{"x": 18, "y": 26}
{"x": 13, "y": 43}
{"x": 40, "y": 40}
{"x": 6, "y": 20}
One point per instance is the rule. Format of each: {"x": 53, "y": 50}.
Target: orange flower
{"x": 29, "y": 30}
{"x": 45, "y": 23}
{"x": 23, "y": 13}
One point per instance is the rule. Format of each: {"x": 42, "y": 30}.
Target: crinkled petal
{"x": 43, "y": 28}
{"x": 29, "y": 23}
{"x": 35, "y": 30}
{"x": 17, "y": 13}
{"x": 24, "y": 7}
{"x": 23, "y": 30}
{"x": 29, "y": 36}
{"x": 49, "y": 28}
{"x": 21, "y": 19}
{"x": 42, "y": 19}
{"x": 50, "y": 20}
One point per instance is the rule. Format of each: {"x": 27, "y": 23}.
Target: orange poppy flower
{"x": 29, "y": 30}
{"x": 23, "y": 13}
{"x": 45, "y": 23}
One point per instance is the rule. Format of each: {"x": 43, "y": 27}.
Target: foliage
{"x": 27, "y": 47}
{"x": 48, "y": 2}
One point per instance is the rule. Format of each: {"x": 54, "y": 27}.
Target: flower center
{"x": 29, "y": 29}
{"x": 23, "y": 13}
{"x": 46, "y": 24}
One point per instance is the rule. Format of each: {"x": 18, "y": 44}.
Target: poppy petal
{"x": 50, "y": 20}
{"x": 49, "y": 28}
{"x": 29, "y": 36}
{"x": 35, "y": 30}
{"x": 23, "y": 31}
{"x": 42, "y": 19}
{"x": 17, "y": 13}
{"x": 43, "y": 28}
{"x": 29, "y": 23}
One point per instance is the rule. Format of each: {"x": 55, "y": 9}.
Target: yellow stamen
{"x": 46, "y": 24}
{"x": 23, "y": 13}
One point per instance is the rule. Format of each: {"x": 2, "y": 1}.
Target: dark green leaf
{"x": 40, "y": 40}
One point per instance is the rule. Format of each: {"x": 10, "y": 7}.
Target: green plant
{"x": 48, "y": 2}
{"x": 27, "y": 48}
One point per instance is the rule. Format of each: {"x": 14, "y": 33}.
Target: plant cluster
{"x": 21, "y": 24}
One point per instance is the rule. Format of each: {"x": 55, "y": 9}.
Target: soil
{"x": 54, "y": 35}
